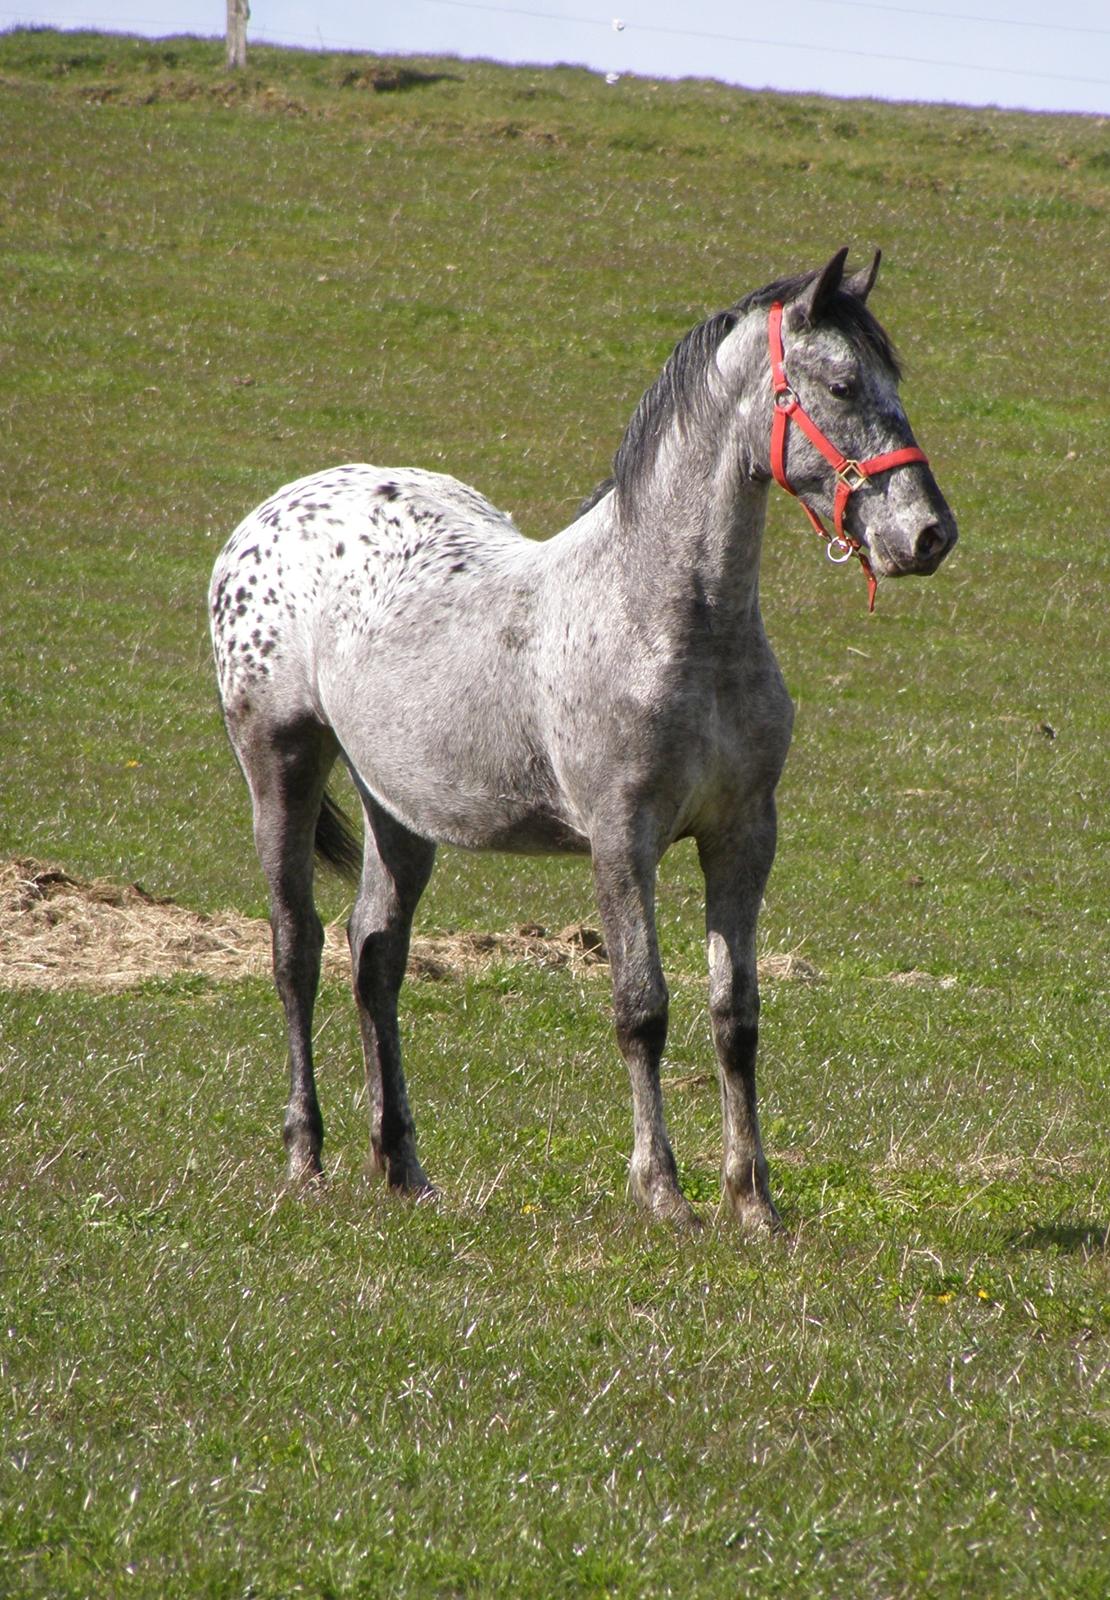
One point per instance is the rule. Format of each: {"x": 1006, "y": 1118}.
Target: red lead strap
{"x": 850, "y": 475}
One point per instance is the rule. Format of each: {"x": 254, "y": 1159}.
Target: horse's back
{"x": 333, "y": 558}
{"x": 401, "y": 611}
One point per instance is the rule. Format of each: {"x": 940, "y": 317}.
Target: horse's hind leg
{"x": 287, "y": 770}
{"x": 396, "y": 868}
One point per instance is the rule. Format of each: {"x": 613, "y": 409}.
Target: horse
{"x": 607, "y": 691}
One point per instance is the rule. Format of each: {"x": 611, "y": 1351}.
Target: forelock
{"x": 845, "y": 312}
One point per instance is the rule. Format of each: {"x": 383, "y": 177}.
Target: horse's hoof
{"x": 677, "y": 1210}
{"x": 413, "y": 1184}
{"x": 303, "y": 1170}
{"x": 666, "y": 1203}
{"x": 754, "y": 1215}
{"x": 685, "y": 1219}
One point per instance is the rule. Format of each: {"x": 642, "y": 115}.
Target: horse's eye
{"x": 842, "y": 391}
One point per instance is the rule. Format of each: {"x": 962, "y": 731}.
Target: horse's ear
{"x": 861, "y": 283}
{"x": 806, "y": 310}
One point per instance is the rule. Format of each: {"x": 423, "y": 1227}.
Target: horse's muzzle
{"x": 915, "y": 554}
{"x": 932, "y": 545}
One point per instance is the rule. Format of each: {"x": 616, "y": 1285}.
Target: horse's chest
{"x": 735, "y": 705}
{"x": 733, "y": 734}
{"x": 754, "y": 707}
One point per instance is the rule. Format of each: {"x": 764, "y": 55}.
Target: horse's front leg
{"x": 736, "y": 869}
{"x": 625, "y": 882}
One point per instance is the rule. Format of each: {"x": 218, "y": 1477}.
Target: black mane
{"x": 680, "y": 393}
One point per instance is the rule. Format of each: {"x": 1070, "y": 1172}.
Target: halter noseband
{"x": 850, "y": 475}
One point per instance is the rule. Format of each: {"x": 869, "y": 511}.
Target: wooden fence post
{"x": 237, "y": 13}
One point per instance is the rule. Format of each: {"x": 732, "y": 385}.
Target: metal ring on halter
{"x": 843, "y": 550}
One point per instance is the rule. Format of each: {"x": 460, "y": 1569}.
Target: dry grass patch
{"x": 61, "y": 932}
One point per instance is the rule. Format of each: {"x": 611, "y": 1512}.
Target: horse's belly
{"x": 528, "y": 835}
{"x": 448, "y": 770}
{"x": 453, "y": 813}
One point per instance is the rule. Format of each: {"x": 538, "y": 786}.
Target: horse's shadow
{"x": 1065, "y": 1237}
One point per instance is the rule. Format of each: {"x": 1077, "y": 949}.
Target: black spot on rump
{"x": 389, "y": 491}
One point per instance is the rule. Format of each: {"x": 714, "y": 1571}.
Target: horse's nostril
{"x": 930, "y": 543}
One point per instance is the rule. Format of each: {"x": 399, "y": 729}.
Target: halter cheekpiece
{"x": 850, "y": 475}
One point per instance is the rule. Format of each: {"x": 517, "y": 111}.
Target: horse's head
{"x": 839, "y": 438}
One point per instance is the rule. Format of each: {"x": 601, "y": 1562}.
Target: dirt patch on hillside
{"x": 61, "y": 932}
{"x": 228, "y": 93}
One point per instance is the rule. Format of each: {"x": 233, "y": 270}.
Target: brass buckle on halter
{"x": 852, "y": 476}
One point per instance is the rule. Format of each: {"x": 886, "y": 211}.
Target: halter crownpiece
{"x": 850, "y": 475}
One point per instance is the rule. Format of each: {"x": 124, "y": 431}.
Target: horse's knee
{"x": 734, "y": 1015}
{"x": 641, "y": 1019}
{"x": 298, "y": 944}
{"x": 378, "y": 958}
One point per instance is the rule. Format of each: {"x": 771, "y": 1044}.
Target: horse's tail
{"x": 337, "y": 840}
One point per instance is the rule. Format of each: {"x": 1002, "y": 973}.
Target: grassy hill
{"x": 212, "y": 285}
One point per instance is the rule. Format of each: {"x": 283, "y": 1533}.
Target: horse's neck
{"x": 696, "y": 538}
{"x": 719, "y": 542}
{"x": 695, "y": 520}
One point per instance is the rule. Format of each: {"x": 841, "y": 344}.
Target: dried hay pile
{"x": 59, "y": 932}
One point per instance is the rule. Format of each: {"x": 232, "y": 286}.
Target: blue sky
{"x": 1020, "y": 53}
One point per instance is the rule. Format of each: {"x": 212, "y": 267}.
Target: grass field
{"x": 212, "y": 1388}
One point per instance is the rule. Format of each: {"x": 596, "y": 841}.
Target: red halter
{"x": 850, "y": 475}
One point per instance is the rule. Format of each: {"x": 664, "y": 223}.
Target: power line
{"x": 98, "y": 21}
{"x": 781, "y": 44}
{"x": 959, "y": 16}
{"x": 859, "y": 5}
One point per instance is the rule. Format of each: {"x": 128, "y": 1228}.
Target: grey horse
{"x": 607, "y": 691}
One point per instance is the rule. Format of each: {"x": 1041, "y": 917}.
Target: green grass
{"x": 214, "y": 1389}
{"x": 211, "y": 1388}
